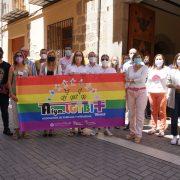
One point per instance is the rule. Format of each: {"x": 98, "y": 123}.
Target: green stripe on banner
{"x": 111, "y": 104}
{"x": 115, "y": 104}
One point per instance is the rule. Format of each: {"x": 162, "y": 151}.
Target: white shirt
{"x": 96, "y": 69}
{"x": 138, "y": 76}
{"x": 108, "y": 70}
{"x": 126, "y": 66}
{"x": 157, "y": 79}
{"x": 64, "y": 62}
{"x": 73, "y": 69}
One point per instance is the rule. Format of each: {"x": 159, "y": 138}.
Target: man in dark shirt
{"x": 4, "y": 93}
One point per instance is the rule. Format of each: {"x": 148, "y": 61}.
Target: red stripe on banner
{"x": 87, "y": 78}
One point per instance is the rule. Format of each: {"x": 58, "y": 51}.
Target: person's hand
{"x": 177, "y": 86}
{"x": 14, "y": 98}
{"x": 130, "y": 80}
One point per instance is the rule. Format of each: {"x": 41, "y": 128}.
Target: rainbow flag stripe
{"x": 52, "y": 102}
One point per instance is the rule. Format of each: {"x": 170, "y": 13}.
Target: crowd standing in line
{"x": 149, "y": 89}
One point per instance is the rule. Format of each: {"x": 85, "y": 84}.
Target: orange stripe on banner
{"x": 44, "y": 89}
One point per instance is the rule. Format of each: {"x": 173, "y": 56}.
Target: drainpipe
{"x": 99, "y": 28}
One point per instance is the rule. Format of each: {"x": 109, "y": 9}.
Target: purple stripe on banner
{"x": 69, "y": 123}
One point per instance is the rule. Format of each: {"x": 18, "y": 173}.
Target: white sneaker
{"x": 161, "y": 134}
{"x": 174, "y": 140}
{"x": 107, "y": 132}
{"x": 178, "y": 143}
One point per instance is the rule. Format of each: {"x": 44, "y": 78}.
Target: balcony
{"x": 13, "y": 10}
{"x": 42, "y": 2}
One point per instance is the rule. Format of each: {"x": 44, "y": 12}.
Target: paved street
{"x": 64, "y": 157}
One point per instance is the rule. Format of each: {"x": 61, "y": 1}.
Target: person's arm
{"x": 142, "y": 77}
{"x": 170, "y": 83}
{"x": 33, "y": 68}
{"x": 10, "y": 79}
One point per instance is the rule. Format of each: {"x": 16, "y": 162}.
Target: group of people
{"x": 157, "y": 84}
{"x": 143, "y": 82}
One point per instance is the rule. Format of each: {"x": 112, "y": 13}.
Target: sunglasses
{"x": 104, "y": 59}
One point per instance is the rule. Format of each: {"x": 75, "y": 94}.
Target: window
{"x": 60, "y": 35}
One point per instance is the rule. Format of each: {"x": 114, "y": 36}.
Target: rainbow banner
{"x": 52, "y": 102}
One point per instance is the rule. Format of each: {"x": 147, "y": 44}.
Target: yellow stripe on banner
{"x": 62, "y": 97}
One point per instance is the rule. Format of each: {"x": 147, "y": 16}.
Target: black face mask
{"x": 51, "y": 59}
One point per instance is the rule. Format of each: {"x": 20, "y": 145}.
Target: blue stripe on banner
{"x": 107, "y": 113}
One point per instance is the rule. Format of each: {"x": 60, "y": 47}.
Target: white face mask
{"x": 159, "y": 63}
{"x": 92, "y": 59}
{"x": 43, "y": 56}
{"x": 68, "y": 53}
{"x": 178, "y": 62}
{"x": 105, "y": 63}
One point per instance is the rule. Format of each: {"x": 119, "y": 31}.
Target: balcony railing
{"x": 42, "y": 2}
{"x": 13, "y": 10}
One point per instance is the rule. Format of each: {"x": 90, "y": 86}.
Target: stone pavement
{"x": 62, "y": 157}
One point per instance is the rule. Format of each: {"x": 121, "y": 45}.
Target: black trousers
{"x": 4, "y": 103}
{"x": 175, "y": 113}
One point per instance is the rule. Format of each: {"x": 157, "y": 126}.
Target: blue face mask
{"x": 138, "y": 61}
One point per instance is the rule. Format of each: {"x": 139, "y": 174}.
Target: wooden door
{"x": 17, "y": 44}
{"x": 141, "y": 29}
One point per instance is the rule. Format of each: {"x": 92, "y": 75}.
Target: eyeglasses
{"x": 78, "y": 55}
{"x": 104, "y": 59}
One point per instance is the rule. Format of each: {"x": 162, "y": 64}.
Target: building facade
{"x": 103, "y": 26}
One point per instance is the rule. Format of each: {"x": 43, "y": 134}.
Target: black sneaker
{"x": 7, "y": 132}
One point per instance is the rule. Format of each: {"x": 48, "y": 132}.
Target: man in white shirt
{"x": 92, "y": 67}
{"x": 125, "y": 67}
{"x": 132, "y": 52}
{"x": 66, "y": 60}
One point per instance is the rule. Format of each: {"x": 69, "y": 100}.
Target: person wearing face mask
{"x": 106, "y": 69}
{"x": 19, "y": 69}
{"x": 130, "y": 60}
{"x": 4, "y": 93}
{"x": 174, "y": 98}
{"x": 92, "y": 67}
{"x": 43, "y": 58}
{"x": 67, "y": 59}
{"x": 115, "y": 63}
{"x": 77, "y": 67}
{"x": 137, "y": 97}
{"x": 28, "y": 62}
{"x": 157, "y": 94}
{"x": 49, "y": 68}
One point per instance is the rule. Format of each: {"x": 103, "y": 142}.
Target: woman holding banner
{"x": 77, "y": 67}
{"x": 19, "y": 69}
{"x": 50, "y": 67}
{"x": 136, "y": 97}
{"x": 106, "y": 69}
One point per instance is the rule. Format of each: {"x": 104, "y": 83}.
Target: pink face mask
{"x": 19, "y": 59}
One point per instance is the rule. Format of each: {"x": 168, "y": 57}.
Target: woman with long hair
{"x": 18, "y": 69}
